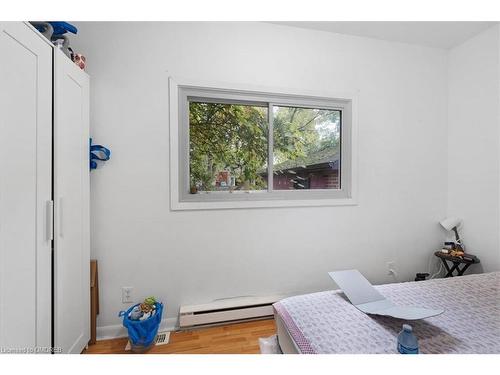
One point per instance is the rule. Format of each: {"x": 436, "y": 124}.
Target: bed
{"x": 326, "y": 322}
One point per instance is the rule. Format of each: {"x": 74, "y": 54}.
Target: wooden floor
{"x": 239, "y": 338}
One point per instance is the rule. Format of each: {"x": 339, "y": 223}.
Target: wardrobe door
{"x": 25, "y": 187}
{"x": 71, "y": 200}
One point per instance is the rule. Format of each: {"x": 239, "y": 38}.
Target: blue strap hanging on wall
{"x": 98, "y": 152}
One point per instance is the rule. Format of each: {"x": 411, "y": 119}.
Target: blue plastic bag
{"x": 98, "y": 152}
{"x": 142, "y": 332}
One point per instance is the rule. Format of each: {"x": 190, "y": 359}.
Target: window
{"x": 228, "y": 147}
{"x": 231, "y": 146}
{"x": 306, "y": 148}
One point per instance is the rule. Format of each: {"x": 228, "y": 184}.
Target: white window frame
{"x": 181, "y": 199}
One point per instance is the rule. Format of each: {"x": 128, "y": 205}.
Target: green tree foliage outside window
{"x": 229, "y": 142}
{"x": 227, "y": 137}
{"x": 300, "y": 133}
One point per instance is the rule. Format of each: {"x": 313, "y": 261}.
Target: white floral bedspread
{"x": 326, "y": 322}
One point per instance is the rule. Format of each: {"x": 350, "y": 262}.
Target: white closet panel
{"x": 71, "y": 199}
{"x": 25, "y": 187}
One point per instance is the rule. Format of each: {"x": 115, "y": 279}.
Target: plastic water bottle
{"x": 407, "y": 341}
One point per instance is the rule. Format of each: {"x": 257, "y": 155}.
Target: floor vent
{"x": 162, "y": 338}
{"x": 226, "y": 311}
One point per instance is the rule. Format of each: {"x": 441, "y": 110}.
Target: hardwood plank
{"x": 237, "y": 338}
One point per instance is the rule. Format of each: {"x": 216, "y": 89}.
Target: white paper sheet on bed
{"x": 366, "y": 298}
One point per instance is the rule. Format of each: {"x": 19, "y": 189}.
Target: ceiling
{"x": 432, "y": 34}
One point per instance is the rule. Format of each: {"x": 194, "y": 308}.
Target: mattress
{"x": 326, "y": 322}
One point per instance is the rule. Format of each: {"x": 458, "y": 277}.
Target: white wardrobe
{"x": 44, "y": 195}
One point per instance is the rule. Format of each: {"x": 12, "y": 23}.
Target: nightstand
{"x": 456, "y": 262}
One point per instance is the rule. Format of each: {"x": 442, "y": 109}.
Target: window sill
{"x": 277, "y": 203}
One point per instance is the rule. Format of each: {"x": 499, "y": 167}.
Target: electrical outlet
{"x": 127, "y": 294}
{"x": 391, "y": 268}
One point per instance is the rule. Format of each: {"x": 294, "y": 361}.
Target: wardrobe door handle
{"x": 61, "y": 217}
{"x": 50, "y": 220}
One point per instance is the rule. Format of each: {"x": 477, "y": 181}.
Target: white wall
{"x": 195, "y": 257}
{"x": 473, "y": 152}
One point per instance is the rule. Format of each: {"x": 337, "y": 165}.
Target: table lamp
{"x": 453, "y": 223}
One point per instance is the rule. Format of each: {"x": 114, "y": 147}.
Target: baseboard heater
{"x": 227, "y": 310}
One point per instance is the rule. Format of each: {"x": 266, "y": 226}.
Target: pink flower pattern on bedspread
{"x": 326, "y": 322}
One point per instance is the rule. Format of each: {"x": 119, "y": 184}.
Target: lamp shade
{"x": 451, "y": 222}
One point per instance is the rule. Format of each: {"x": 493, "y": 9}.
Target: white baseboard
{"x": 116, "y": 331}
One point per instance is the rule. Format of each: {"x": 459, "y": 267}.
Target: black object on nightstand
{"x": 421, "y": 276}
{"x": 466, "y": 260}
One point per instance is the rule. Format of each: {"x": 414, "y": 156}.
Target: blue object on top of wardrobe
{"x": 98, "y": 152}
{"x": 61, "y": 27}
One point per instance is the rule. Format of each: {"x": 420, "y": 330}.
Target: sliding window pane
{"x": 228, "y": 147}
{"x": 306, "y": 148}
